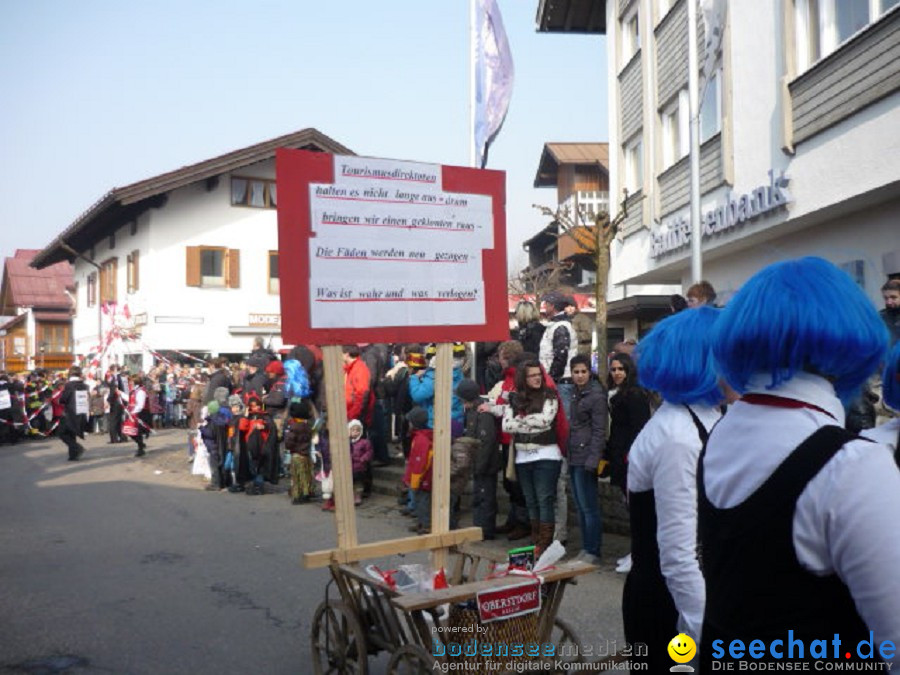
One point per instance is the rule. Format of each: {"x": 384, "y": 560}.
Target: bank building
{"x": 799, "y": 136}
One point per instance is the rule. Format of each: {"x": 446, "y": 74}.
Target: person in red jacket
{"x": 418, "y": 468}
{"x": 357, "y": 390}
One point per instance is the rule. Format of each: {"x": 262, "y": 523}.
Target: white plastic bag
{"x": 201, "y": 462}
{"x": 554, "y": 553}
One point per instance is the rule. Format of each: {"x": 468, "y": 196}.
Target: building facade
{"x": 37, "y": 304}
{"x": 185, "y": 263}
{"x": 799, "y": 152}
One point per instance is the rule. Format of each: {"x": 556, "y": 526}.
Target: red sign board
{"x": 509, "y": 601}
{"x": 376, "y": 250}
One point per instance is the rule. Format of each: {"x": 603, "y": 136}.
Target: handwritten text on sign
{"x": 509, "y": 601}
{"x": 392, "y": 249}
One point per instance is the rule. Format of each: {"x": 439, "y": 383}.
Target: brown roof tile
{"x": 28, "y": 287}
{"x": 556, "y": 154}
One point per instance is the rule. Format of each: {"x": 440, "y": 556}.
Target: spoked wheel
{"x": 568, "y": 646}
{"x": 411, "y": 660}
{"x": 338, "y": 642}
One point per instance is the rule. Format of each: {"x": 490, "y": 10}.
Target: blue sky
{"x": 100, "y": 93}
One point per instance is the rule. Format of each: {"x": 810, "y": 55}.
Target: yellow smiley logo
{"x": 682, "y": 648}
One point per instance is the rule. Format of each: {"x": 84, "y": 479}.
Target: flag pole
{"x": 694, "y": 115}
{"x": 472, "y": 47}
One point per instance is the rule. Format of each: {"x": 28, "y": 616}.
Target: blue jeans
{"x": 566, "y": 393}
{"x": 584, "y": 492}
{"x": 538, "y": 481}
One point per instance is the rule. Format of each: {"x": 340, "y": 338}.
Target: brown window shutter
{"x": 193, "y": 266}
{"x": 234, "y": 268}
{"x": 136, "y": 282}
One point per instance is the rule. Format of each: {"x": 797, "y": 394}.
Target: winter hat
{"x": 430, "y": 350}
{"x": 557, "y": 300}
{"x": 459, "y": 350}
{"x": 467, "y": 390}
{"x": 354, "y": 423}
{"x": 417, "y": 417}
{"x": 415, "y": 360}
{"x": 234, "y": 400}
{"x": 221, "y": 395}
{"x": 275, "y": 367}
{"x": 300, "y": 410}
{"x": 258, "y": 361}
{"x": 212, "y": 408}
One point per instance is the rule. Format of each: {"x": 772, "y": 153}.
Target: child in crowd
{"x": 97, "y": 425}
{"x": 258, "y": 441}
{"x": 361, "y": 453}
{"x": 482, "y": 427}
{"x": 215, "y": 437}
{"x": 418, "y": 467}
{"x": 298, "y": 442}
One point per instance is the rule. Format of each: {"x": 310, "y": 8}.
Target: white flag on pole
{"x": 493, "y": 76}
{"x": 713, "y": 13}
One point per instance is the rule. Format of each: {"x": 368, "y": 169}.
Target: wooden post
{"x": 339, "y": 445}
{"x": 440, "y": 480}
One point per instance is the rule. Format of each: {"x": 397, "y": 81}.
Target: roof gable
{"x": 25, "y": 286}
{"x": 120, "y": 205}
{"x": 555, "y": 155}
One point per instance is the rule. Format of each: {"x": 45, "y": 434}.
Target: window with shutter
{"x": 192, "y": 266}
{"x": 133, "y": 271}
{"x": 234, "y": 268}
{"x": 108, "y": 273}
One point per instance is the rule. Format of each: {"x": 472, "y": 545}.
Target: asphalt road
{"x": 122, "y": 565}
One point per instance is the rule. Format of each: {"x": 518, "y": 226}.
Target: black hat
{"x": 417, "y": 417}
{"x": 557, "y": 300}
{"x": 467, "y": 390}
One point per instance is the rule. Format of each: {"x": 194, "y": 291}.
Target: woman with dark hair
{"x": 629, "y": 410}
{"x": 531, "y": 418}
{"x": 529, "y": 330}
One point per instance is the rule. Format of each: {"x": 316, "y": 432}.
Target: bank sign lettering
{"x": 676, "y": 233}
{"x": 509, "y": 601}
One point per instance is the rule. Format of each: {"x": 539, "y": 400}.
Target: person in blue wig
{"x": 889, "y": 432}
{"x": 664, "y": 592}
{"x": 797, "y": 516}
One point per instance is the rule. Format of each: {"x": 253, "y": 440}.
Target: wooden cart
{"x": 365, "y": 616}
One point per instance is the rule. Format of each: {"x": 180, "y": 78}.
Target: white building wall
{"x": 837, "y": 240}
{"x": 178, "y": 316}
{"x": 830, "y": 174}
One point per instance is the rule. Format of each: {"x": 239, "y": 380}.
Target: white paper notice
{"x": 81, "y": 403}
{"x": 391, "y": 248}
{"x": 5, "y": 401}
{"x": 379, "y": 210}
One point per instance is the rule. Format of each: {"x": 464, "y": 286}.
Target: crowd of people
{"x": 755, "y": 505}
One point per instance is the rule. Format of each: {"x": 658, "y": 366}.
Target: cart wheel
{"x": 410, "y": 660}
{"x": 338, "y": 642}
{"x": 568, "y": 646}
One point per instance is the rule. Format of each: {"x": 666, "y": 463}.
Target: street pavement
{"x": 121, "y": 565}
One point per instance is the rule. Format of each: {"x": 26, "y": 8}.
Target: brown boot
{"x": 518, "y": 531}
{"x": 545, "y": 538}
{"x": 535, "y": 531}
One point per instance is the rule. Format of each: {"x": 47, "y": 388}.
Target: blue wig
{"x": 675, "y": 358}
{"x": 297, "y": 384}
{"x": 890, "y": 387}
{"x": 800, "y": 315}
